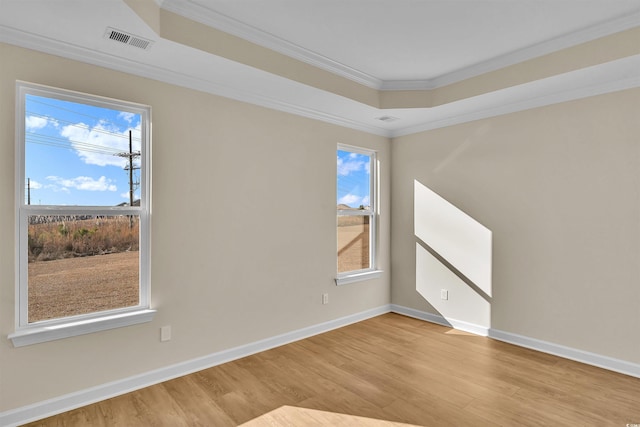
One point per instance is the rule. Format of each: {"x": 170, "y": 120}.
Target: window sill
{"x": 37, "y": 334}
{"x": 357, "y": 277}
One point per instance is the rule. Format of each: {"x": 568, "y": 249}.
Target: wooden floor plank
{"x": 388, "y": 371}
{"x": 199, "y": 407}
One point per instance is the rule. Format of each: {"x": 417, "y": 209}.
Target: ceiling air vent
{"x": 127, "y": 38}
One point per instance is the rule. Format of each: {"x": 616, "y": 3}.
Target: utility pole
{"x": 130, "y": 171}
{"x": 28, "y": 191}
{"x": 130, "y": 167}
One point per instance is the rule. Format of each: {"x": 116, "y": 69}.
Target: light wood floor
{"x": 387, "y": 371}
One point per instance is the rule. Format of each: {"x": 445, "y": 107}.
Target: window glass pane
{"x": 353, "y": 243}
{"x": 354, "y": 180}
{"x": 82, "y": 264}
{"x": 80, "y": 154}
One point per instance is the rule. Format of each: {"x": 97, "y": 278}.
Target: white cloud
{"x": 346, "y": 167}
{"x": 32, "y": 123}
{"x": 35, "y": 185}
{"x": 350, "y": 200}
{"x": 354, "y": 201}
{"x": 100, "y": 144}
{"x": 84, "y": 183}
{"x": 56, "y": 188}
{"x": 127, "y": 116}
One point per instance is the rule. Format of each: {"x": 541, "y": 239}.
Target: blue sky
{"x": 354, "y": 175}
{"x": 70, "y": 153}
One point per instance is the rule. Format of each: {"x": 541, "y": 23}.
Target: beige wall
{"x": 243, "y": 231}
{"x": 559, "y": 189}
{"x": 243, "y": 237}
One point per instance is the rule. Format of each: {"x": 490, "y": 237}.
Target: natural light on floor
{"x": 293, "y": 416}
{"x": 453, "y": 259}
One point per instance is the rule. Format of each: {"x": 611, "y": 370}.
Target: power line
{"x": 71, "y": 145}
{"x": 80, "y": 125}
{"x": 32, "y": 99}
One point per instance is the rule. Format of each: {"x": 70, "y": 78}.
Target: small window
{"x": 356, "y": 213}
{"x": 83, "y": 212}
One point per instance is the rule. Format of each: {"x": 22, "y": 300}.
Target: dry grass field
{"x": 73, "y": 286}
{"x": 55, "y": 239}
{"x": 79, "y": 267}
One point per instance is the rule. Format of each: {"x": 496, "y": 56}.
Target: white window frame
{"x": 31, "y": 333}
{"x": 372, "y": 272}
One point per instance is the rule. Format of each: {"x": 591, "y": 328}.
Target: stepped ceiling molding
{"x": 387, "y": 67}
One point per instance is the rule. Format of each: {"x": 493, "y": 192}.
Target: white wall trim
{"x": 71, "y": 328}
{"x": 440, "y": 320}
{"x": 219, "y": 21}
{"x": 613, "y": 76}
{"x": 357, "y": 277}
{"x": 91, "y": 395}
{"x": 620, "y": 75}
{"x": 136, "y": 68}
{"x": 605, "y": 362}
{"x": 198, "y": 13}
{"x": 588, "y": 34}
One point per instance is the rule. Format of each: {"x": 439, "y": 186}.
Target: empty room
{"x": 353, "y": 212}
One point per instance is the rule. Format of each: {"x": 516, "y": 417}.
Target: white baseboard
{"x": 71, "y": 401}
{"x": 605, "y": 362}
{"x": 435, "y": 318}
{"x": 91, "y": 395}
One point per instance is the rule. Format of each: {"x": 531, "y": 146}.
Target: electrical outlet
{"x": 325, "y": 298}
{"x": 165, "y": 333}
{"x": 444, "y": 294}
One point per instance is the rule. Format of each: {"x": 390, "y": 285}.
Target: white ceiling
{"x": 386, "y": 44}
{"x": 396, "y": 40}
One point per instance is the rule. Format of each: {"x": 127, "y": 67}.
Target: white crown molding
{"x": 198, "y": 13}
{"x": 614, "y": 76}
{"x": 81, "y": 54}
{"x": 575, "y": 38}
{"x": 239, "y": 29}
{"x": 85, "y": 397}
{"x": 609, "y": 77}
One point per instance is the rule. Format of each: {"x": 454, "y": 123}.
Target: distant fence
{"x": 49, "y": 219}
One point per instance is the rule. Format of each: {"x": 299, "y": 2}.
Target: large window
{"x": 82, "y": 172}
{"x": 356, "y": 213}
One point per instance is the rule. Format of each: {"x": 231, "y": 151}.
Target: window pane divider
{"x": 74, "y": 210}
{"x": 357, "y": 179}
{"x": 354, "y": 212}
{"x": 62, "y": 324}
